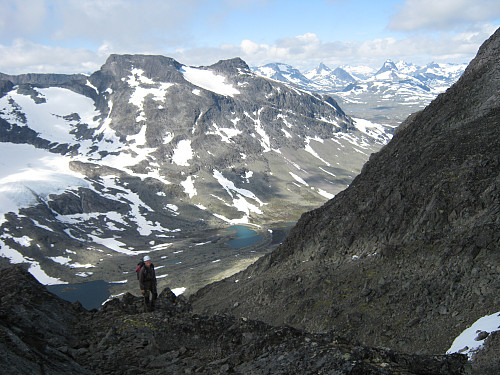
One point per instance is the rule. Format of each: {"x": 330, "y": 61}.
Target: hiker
{"x": 148, "y": 283}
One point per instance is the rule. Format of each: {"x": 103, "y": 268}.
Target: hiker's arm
{"x": 141, "y": 280}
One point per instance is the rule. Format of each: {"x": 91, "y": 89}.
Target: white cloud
{"x": 248, "y": 47}
{"x": 306, "y": 51}
{"x": 147, "y": 23}
{"x": 21, "y": 18}
{"x": 443, "y": 14}
{"x": 23, "y": 56}
{"x": 76, "y": 36}
{"x": 462, "y": 45}
{"x": 303, "y": 52}
{"x": 69, "y": 36}
{"x": 130, "y": 25}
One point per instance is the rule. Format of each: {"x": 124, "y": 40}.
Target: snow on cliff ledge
{"x": 208, "y": 80}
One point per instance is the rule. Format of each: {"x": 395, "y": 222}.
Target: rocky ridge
{"x": 42, "y": 334}
{"x": 407, "y": 256}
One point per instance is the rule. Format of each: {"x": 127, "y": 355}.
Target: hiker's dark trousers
{"x": 150, "y": 288}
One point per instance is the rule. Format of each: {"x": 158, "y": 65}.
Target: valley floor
{"x": 184, "y": 266}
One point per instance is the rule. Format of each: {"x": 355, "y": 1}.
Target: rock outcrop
{"x": 407, "y": 256}
{"x": 42, "y": 334}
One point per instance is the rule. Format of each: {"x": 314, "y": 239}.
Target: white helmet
{"x": 146, "y": 258}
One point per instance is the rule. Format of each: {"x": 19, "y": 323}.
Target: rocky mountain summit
{"x": 42, "y": 334}
{"x": 408, "y": 255}
{"x": 147, "y": 152}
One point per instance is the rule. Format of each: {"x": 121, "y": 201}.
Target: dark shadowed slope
{"x": 41, "y": 334}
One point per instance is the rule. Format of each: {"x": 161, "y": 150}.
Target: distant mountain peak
{"x": 388, "y": 66}
{"x": 231, "y": 65}
{"x": 343, "y": 75}
{"x": 323, "y": 68}
{"x": 282, "y": 72}
{"x": 282, "y": 67}
{"x": 140, "y": 59}
{"x": 156, "y": 67}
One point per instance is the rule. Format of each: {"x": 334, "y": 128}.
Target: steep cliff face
{"x": 409, "y": 254}
{"x": 41, "y": 334}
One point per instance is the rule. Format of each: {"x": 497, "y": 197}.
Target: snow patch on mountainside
{"x": 226, "y": 134}
{"x": 229, "y": 187}
{"x": 183, "y": 153}
{"x": 188, "y": 185}
{"x": 326, "y": 194}
{"x": 309, "y": 149}
{"x": 265, "y": 140}
{"x": 472, "y": 339}
{"x": 208, "y": 80}
{"x": 52, "y": 116}
{"x": 144, "y": 226}
{"x": 15, "y": 257}
{"x": 137, "y": 80}
{"x": 373, "y": 130}
{"x": 238, "y": 197}
{"x": 298, "y": 179}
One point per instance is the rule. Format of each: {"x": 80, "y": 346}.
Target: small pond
{"x": 244, "y": 236}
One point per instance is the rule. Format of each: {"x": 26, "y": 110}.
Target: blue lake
{"x": 244, "y": 236}
{"x": 91, "y": 294}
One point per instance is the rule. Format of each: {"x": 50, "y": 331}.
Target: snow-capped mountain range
{"x": 147, "y": 151}
{"x": 389, "y": 94}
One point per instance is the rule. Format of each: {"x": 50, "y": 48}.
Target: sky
{"x": 77, "y": 36}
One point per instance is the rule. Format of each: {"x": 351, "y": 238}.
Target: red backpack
{"x": 138, "y": 268}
